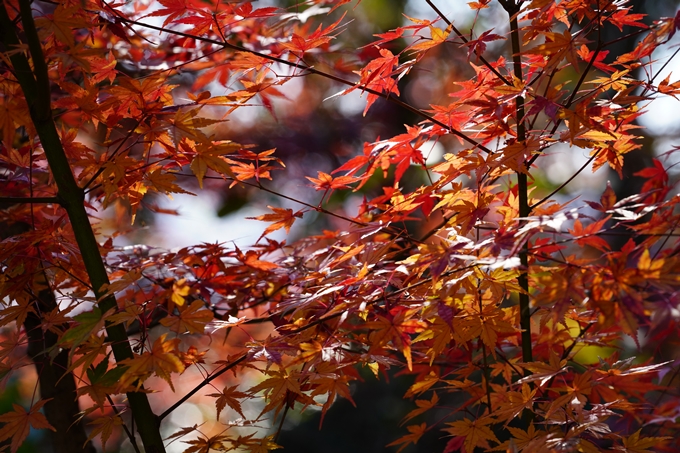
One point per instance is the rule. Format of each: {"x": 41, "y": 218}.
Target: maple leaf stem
{"x": 36, "y": 89}
{"x": 487, "y": 376}
{"x": 202, "y": 384}
{"x": 128, "y": 433}
{"x": 118, "y": 148}
{"x": 465, "y": 40}
{"x": 565, "y": 183}
{"x": 505, "y": 359}
{"x": 283, "y": 419}
{"x": 582, "y": 79}
{"x": 522, "y": 188}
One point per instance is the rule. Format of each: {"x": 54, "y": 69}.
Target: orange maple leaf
{"x": 229, "y": 397}
{"x": 163, "y": 359}
{"x": 282, "y": 218}
{"x": 104, "y": 426}
{"x": 415, "y": 433}
{"x": 19, "y": 422}
{"x": 636, "y": 444}
{"x": 191, "y": 319}
{"x": 476, "y": 433}
{"x": 329, "y": 183}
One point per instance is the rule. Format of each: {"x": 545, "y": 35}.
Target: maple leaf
{"x": 17, "y": 312}
{"x": 588, "y": 55}
{"x": 482, "y": 4}
{"x": 206, "y": 444}
{"x": 162, "y": 360}
{"x": 104, "y": 426}
{"x": 301, "y": 45}
{"x": 173, "y": 9}
{"x": 62, "y": 23}
{"x": 165, "y": 182}
{"x": 588, "y": 235}
{"x": 331, "y": 385}
{"x": 377, "y": 75}
{"x": 522, "y": 438}
{"x": 558, "y": 46}
{"x": 607, "y": 200}
{"x": 622, "y": 17}
{"x": 103, "y": 381}
{"x": 423, "y": 384}
{"x": 180, "y": 289}
{"x": 264, "y": 445}
{"x": 394, "y": 329}
{"x": 191, "y": 319}
{"x": 577, "y": 391}
{"x": 478, "y": 46}
{"x": 18, "y": 422}
{"x": 438, "y": 36}
{"x": 278, "y": 389}
{"x": 253, "y": 260}
{"x": 423, "y": 406}
{"x": 668, "y": 88}
{"x": 192, "y": 356}
{"x": 657, "y": 181}
{"x": 637, "y": 444}
{"x": 328, "y": 183}
{"x": 104, "y": 68}
{"x": 318, "y": 38}
{"x": 209, "y": 156}
{"x": 282, "y": 218}
{"x": 415, "y": 433}
{"x": 387, "y": 37}
{"x": 544, "y": 372}
{"x": 87, "y": 324}
{"x": 476, "y": 432}
{"x": 229, "y": 397}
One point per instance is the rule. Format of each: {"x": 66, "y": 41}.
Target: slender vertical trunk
{"x": 522, "y": 186}
{"x": 56, "y": 384}
{"x": 36, "y": 88}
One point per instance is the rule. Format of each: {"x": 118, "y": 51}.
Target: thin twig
{"x": 465, "y": 40}
{"x": 203, "y": 383}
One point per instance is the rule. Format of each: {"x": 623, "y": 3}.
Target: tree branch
{"x": 522, "y": 188}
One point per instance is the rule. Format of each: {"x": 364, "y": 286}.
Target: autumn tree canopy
{"x": 530, "y": 314}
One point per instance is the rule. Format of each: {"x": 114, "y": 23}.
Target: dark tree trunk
{"x": 55, "y": 382}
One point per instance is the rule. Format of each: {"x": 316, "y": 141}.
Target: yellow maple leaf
{"x": 191, "y": 319}
{"x": 635, "y": 444}
{"x": 104, "y": 426}
{"x": 415, "y": 433}
{"x": 282, "y": 218}
{"x": 162, "y": 360}
{"x": 476, "y": 432}
{"x": 229, "y": 397}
